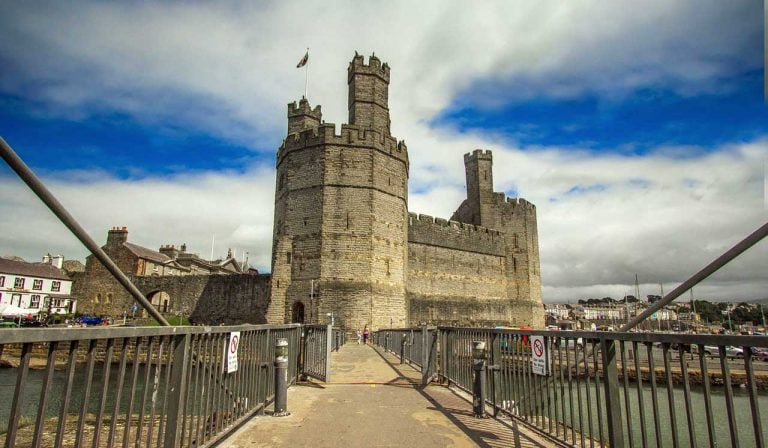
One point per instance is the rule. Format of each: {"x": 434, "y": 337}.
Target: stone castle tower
{"x": 344, "y": 243}
{"x": 341, "y": 208}
{"x": 516, "y": 219}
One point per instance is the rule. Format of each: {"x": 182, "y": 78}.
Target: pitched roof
{"x": 42, "y": 270}
{"x": 143, "y": 252}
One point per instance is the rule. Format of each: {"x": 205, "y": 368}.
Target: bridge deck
{"x": 374, "y": 401}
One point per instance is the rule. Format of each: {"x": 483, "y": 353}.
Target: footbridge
{"x": 306, "y": 385}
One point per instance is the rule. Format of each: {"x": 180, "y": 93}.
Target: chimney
{"x": 117, "y": 236}
{"x": 170, "y": 250}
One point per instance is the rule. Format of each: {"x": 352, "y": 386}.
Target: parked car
{"x": 709, "y": 350}
{"x": 8, "y": 324}
{"x": 90, "y": 320}
{"x": 734, "y": 352}
{"x": 31, "y": 323}
{"x": 760, "y": 353}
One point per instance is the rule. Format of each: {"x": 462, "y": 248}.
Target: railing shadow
{"x": 483, "y": 432}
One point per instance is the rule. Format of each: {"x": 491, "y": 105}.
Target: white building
{"x": 36, "y": 287}
{"x": 557, "y": 310}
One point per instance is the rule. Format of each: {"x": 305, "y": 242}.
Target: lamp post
{"x": 331, "y": 316}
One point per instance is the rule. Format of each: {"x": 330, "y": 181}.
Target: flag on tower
{"x": 303, "y": 60}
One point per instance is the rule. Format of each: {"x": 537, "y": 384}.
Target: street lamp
{"x": 331, "y": 316}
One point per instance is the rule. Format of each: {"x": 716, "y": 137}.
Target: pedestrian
{"x": 366, "y": 333}
{"x": 359, "y": 337}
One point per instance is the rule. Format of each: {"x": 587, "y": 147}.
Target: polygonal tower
{"x": 516, "y": 219}
{"x": 341, "y": 201}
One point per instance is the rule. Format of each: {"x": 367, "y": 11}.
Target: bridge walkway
{"x": 374, "y": 401}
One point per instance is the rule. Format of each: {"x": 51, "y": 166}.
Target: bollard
{"x": 478, "y": 385}
{"x": 281, "y": 378}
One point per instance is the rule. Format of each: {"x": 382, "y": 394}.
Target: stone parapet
{"x": 425, "y": 229}
{"x": 350, "y": 135}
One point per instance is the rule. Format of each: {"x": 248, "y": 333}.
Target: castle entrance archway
{"x": 297, "y": 313}
{"x": 160, "y": 300}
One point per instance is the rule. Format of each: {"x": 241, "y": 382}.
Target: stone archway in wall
{"x": 161, "y": 300}
{"x": 297, "y": 313}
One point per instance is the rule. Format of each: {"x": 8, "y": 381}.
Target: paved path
{"x": 373, "y": 401}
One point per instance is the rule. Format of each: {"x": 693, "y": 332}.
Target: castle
{"x": 344, "y": 243}
{"x": 345, "y": 248}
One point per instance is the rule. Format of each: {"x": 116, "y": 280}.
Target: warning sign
{"x": 234, "y": 342}
{"x": 538, "y": 355}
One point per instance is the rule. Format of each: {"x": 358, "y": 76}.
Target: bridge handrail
{"x": 595, "y": 382}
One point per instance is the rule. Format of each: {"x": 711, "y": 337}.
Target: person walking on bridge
{"x": 366, "y": 333}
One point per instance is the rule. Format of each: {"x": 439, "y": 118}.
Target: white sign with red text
{"x": 538, "y": 355}
{"x": 234, "y": 342}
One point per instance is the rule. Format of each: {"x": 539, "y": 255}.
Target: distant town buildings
{"x": 100, "y": 293}
{"x": 34, "y": 288}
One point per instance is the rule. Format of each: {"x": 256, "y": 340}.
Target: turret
{"x": 302, "y": 117}
{"x": 479, "y": 168}
{"x": 368, "y": 93}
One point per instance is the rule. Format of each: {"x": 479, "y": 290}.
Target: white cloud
{"x": 236, "y": 208}
{"x": 229, "y": 70}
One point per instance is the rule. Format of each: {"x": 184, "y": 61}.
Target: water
{"x": 721, "y": 430}
{"x": 56, "y": 394}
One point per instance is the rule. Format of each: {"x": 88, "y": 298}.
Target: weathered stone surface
{"x": 345, "y": 244}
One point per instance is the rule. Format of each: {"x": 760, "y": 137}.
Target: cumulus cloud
{"x": 228, "y": 70}
{"x": 234, "y": 209}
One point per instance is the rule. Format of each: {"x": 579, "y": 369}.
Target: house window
{"x": 109, "y": 298}
{"x": 55, "y": 286}
{"x": 97, "y": 299}
{"x": 35, "y": 303}
{"x": 16, "y": 298}
{"x": 288, "y": 257}
{"x": 19, "y": 282}
{"x": 37, "y": 285}
{"x": 2, "y": 280}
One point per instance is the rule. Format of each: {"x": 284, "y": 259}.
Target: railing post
{"x": 425, "y": 347}
{"x": 328, "y": 349}
{"x": 281, "y": 378}
{"x": 177, "y": 390}
{"x": 403, "y": 341}
{"x": 478, "y": 383}
{"x": 612, "y": 399}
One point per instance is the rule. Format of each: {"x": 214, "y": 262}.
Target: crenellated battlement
{"x": 373, "y": 67}
{"x": 303, "y": 108}
{"x": 478, "y": 154}
{"x": 501, "y": 199}
{"x": 350, "y": 135}
{"x": 425, "y": 229}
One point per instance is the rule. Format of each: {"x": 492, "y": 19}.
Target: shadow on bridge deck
{"x": 374, "y": 401}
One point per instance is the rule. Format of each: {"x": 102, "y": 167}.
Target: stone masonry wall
{"x": 213, "y": 299}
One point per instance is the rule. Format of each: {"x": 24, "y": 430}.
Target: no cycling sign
{"x": 538, "y": 355}
{"x": 234, "y": 342}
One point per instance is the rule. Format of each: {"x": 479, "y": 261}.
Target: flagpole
{"x": 306, "y": 75}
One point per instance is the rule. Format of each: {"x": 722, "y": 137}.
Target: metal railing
{"x": 161, "y": 386}
{"x": 339, "y": 338}
{"x": 417, "y": 346}
{"x": 617, "y": 389}
{"x": 317, "y": 347}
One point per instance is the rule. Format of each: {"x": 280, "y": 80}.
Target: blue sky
{"x": 597, "y": 112}
{"x": 635, "y": 123}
